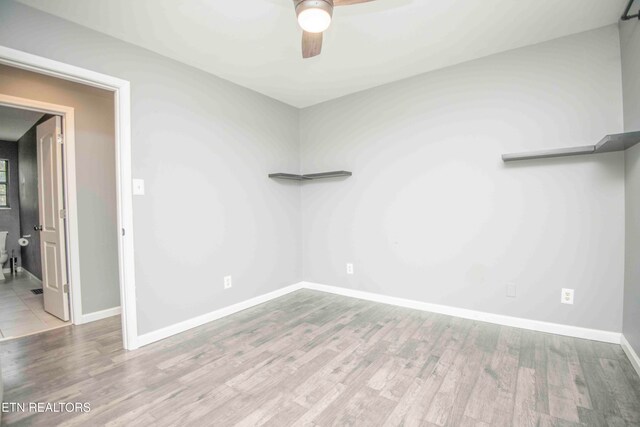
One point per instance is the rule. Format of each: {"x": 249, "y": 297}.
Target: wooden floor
{"x": 311, "y": 358}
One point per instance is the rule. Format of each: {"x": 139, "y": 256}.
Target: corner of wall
{"x": 629, "y": 33}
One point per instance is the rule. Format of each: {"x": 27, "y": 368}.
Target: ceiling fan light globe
{"x": 314, "y": 16}
{"x": 314, "y": 20}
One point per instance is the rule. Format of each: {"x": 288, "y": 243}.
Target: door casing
{"x": 121, "y": 90}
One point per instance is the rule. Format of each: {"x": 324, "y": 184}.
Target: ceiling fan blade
{"x": 311, "y": 44}
{"x": 349, "y": 2}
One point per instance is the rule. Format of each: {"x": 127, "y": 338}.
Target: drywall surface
{"x": 29, "y": 211}
{"x": 431, "y": 212}
{"x": 204, "y": 146}
{"x": 630, "y": 51}
{"x": 630, "y": 48}
{"x": 95, "y": 177}
{"x": 10, "y": 217}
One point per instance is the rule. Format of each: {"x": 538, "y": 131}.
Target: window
{"x": 4, "y": 183}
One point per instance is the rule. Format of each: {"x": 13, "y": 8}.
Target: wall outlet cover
{"x": 349, "y": 268}
{"x": 567, "y": 296}
{"x": 511, "y": 290}
{"x": 227, "y": 282}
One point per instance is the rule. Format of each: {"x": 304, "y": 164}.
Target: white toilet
{"x": 3, "y": 251}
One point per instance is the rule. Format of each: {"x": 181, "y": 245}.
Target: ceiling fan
{"x": 314, "y": 17}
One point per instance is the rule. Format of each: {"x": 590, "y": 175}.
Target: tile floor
{"x": 22, "y": 312}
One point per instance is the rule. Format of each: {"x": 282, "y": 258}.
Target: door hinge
{"x": 59, "y": 139}
{"x": 63, "y": 214}
{"x": 66, "y": 288}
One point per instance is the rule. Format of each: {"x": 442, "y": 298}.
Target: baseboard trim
{"x": 516, "y": 322}
{"x": 183, "y": 326}
{"x": 30, "y": 274}
{"x": 631, "y": 354}
{"x": 99, "y": 315}
{"x": 6, "y": 271}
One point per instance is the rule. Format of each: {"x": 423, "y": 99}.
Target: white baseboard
{"x": 99, "y": 315}
{"x": 168, "y": 331}
{"x": 516, "y": 322}
{"x": 631, "y": 354}
{"x": 30, "y": 274}
{"x": 20, "y": 270}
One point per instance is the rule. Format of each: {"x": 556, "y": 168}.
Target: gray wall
{"x": 630, "y": 47}
{"x": 432, "y": 214}
{"x": 10, "y": 218}
{"x": 429, "y": 194}
{"x": 29, "y": 214}
{"x": 204, "y": 147}
{"x": 95, "y": 176}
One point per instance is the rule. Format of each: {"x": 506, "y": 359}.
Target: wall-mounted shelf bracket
{"x": 615, "y": 142}
{"x": 311, "y": 176}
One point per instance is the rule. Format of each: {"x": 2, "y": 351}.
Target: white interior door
{"x": 52, "y": 217}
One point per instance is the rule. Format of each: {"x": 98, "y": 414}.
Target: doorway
{"x": 34, "y": 286}
{"x": 125, "y": 245}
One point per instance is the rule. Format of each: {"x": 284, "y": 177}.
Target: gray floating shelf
{"x": 616, "y": 142}
{"x": 311, "y": 176}
{"x": 286, "y": 176}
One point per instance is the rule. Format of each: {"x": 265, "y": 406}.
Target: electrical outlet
{"x": 567, "y": 296}
{"x": 349, "y": 268}
{"x": 227, "y": 282}
{"x": 511, "y": 290}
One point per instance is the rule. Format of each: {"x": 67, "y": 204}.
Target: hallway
{"x": 21, "y": 311}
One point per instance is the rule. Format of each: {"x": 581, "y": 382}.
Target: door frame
{"x": 72, "y": 246}
{"x": 122, "y": 94}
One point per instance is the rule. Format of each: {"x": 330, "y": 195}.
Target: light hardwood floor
{"x": 311, "y": 358}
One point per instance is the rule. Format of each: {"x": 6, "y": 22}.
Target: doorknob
{"x": 37, "y": 227}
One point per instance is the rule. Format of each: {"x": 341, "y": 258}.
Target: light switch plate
{"x": 138, "y": 187}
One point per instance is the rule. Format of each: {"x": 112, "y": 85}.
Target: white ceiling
{"x": 15, "y": 122}
{"x": 256, "y": 43}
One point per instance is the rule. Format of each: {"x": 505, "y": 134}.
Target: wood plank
{"x": 524, "y": 413}
{"x": 314, "y": 358}
{"x": 561, "y": 397}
